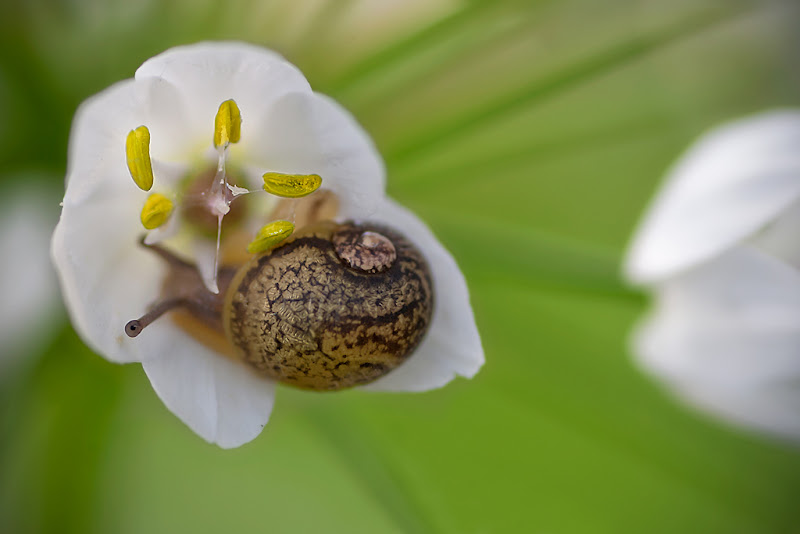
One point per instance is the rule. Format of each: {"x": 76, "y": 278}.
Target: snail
{"x": 333, "y": 306}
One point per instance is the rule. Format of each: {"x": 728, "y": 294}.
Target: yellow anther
{"x": 291, "y": 185}
{"x": 270, "y": 235}
{"x": 137, "y": 150}
{"x": 156, "y": 211}
{"x": 227, "y": 124}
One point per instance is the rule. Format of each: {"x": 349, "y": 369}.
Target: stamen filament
{"x": 238, "y": 191}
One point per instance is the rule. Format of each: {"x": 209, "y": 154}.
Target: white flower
{"x": 108, "y": 277}
{"x": 720, "y": 247}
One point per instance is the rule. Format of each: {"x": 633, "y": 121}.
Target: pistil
{"x": 227, "y": 130}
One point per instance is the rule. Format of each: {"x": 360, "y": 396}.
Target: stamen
{"x": 270, "y": 235}
{"x": 227, "y": 130}
{"x": 135, "y": 327}
{"x": 156, "y": 211}
{"x": 137, "y": 150}
{"x": 291, "y": 185}
{"x": 227, "y": 124}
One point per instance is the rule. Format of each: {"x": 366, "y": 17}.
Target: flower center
{"x": 196, "y": 208}
{"x": 207, "y": 204}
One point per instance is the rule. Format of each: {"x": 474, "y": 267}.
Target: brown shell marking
{"x": 301, "y": 315}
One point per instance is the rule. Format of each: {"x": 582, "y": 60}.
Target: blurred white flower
{"x": 720, "y": 248}
{"x": 220, "y": 115}
{"x": 29, "y": 307}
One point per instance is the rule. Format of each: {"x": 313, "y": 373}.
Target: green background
{"x": 530, "y": 136}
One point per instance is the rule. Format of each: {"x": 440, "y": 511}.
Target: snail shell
{"x": 333, "y": 307}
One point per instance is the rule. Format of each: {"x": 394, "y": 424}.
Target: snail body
{"x": 334, "y": 306}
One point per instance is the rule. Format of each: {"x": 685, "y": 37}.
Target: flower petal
{"x": 726, "y": 337}
{"x": 732, "y": 183}
{"x": 105, "y": 278}
{"x": 204, "y": 75}
{"x": 781, "y": 238}
{"x": 312, "y": 134}
{"x": 452, "y": 345}
{"x": 219, "y": 399}
{"x": 30, "y": 295}
{"x": 205, "y": 257}
{"x": 97, "y": 164}
{"x": 164, "y": 111}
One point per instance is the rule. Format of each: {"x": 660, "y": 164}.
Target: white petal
{"x": 733, "y": 182}
{"x": 726, "y": 337}
{"x": 772, "y": 411}
{"x": 28, "y": 285}
{"x": 97, "y": 164}
{"x": 221, "y": 400}
{"x": 781, "y": 238}
{"x": 204, "y": 75}
{"x": 165, "y": 112}
{"x": 205, "y": 257}
{"x": 162, "y": 233}
{"x": 105, "y": 278}
{"x": 312, "y": 134}
{"x": 452, "y": 345}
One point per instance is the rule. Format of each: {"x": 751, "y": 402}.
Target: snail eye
{"x": 366, "y": 251}
{"x": 133, "y": 328}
